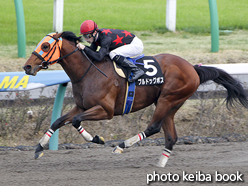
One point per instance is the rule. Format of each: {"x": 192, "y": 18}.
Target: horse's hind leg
{"x": 153, "y": 128}
{"x": 170, "y": 135}
{"x": 162, "y": 117}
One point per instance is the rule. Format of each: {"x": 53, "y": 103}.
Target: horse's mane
{"x": 71, "y": 37}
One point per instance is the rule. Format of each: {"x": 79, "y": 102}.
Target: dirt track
{"x": 97, "y": 166}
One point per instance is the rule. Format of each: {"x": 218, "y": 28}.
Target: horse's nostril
{"x": 27, "y": 67}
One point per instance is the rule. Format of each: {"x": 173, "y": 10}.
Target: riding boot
{"x": 137, "y": 72}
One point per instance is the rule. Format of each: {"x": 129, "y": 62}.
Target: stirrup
{"x": 136, "y": 76}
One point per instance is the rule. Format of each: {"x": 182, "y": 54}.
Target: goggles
{"x": 87, "y": 36}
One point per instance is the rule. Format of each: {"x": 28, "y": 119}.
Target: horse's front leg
{"x": 75, "y": 116}
{"x": 65, "y": 119}
{"x": 94, "y": 113}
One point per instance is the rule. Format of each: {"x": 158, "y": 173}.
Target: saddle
{"x": 153, "y": 76}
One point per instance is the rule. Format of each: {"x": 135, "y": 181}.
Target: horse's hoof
{"x": 101, "y": 140}
{"x": 98, "y": 139}
{"x": 117, "y": 150}
{"x": 38, "y": 152}
{"x": 155, "y": 165}
{"x": 38, "y": 155}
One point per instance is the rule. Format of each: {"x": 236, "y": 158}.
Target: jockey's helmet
{"x": 88, "y": 27}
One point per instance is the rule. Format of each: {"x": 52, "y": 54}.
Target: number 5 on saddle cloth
{"x": 153, "y": 76}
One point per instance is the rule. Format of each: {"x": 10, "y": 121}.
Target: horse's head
{"x": 47, "y": 52}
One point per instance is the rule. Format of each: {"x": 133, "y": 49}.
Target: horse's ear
{"x": 58, "y": 35}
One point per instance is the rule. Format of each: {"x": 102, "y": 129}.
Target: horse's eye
{"x": 45, "y": 47}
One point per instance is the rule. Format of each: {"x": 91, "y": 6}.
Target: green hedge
{"x": 133, "y": 15}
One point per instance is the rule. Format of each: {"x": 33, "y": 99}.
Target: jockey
{"x": 119, "y": 44}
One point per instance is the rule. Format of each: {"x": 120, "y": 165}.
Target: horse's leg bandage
{"x": 164, "y": 158}
{"x": 129, "y": 142}
{"x": 85, "y": 134}
{"x": 44, "y": 140}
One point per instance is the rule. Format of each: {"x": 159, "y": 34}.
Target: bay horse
{"x": 98, "y": 97}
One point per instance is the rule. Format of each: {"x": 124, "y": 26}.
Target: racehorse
{"x": 99, "y": 97}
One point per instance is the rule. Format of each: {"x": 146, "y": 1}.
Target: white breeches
{"x": 134, "y": 48}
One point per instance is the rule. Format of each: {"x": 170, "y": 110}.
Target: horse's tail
{"x": 235, "y": 91}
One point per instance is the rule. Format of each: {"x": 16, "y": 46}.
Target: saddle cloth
{"x": 153, "y": 76}
{"x": 153, "y": 73}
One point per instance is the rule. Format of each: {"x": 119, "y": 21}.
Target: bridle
{"x": 48, "y": 57}
{"x": 44, "y": 64}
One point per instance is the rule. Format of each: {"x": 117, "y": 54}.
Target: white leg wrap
{"x": 129, "y": 142}
{"x": 44, "y": 140}
{"x": 85, "y": 134}
{"x": 164, "y": 158}
{"x": 117, "y": 150}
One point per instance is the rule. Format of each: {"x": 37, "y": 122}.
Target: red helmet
{"x": 88, "y": 27}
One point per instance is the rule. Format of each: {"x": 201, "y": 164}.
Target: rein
{"x": 91, "y": 63}
{"x": 82, "y": 75}
{"x": 46, "y": 63}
